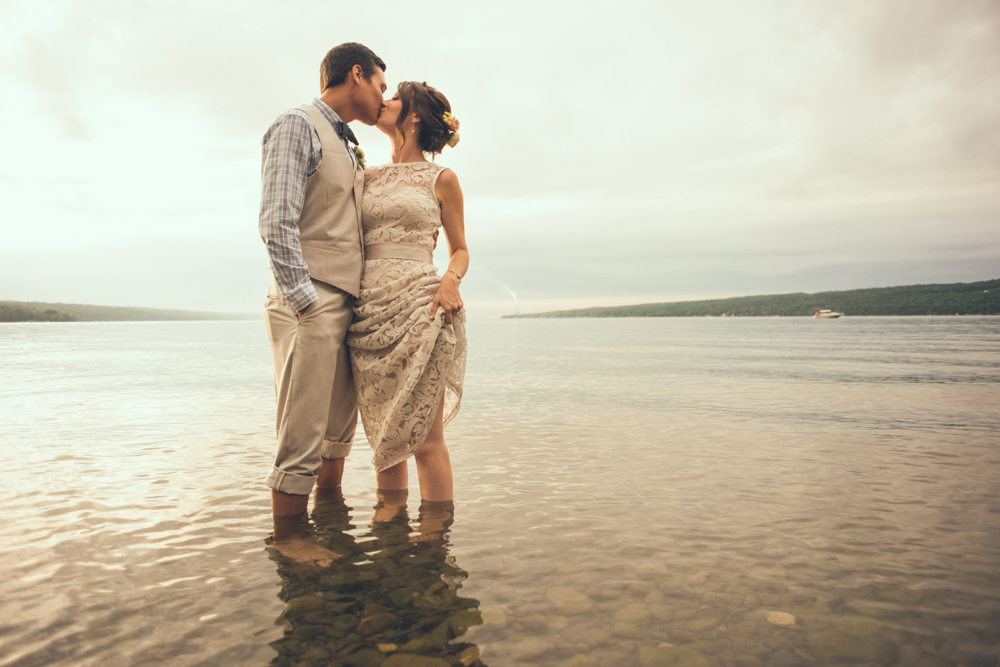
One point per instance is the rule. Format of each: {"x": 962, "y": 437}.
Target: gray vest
{"x": 330, "y": 223}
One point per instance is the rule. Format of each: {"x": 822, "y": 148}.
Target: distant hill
{"x": 982, "y": 298}
{"x": 12, "y": 313}
{"x": 25, "y": 311}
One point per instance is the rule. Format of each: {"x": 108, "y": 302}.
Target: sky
{"x": 611, "y": 153}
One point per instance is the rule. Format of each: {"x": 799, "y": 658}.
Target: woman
{"x": 407, "y": 341}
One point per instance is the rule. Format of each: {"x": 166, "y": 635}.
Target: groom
{"x": 310, "y": 221}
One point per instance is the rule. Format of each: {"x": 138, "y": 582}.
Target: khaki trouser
{"x": 317, "y": 406}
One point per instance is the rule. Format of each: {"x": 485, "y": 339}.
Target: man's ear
{"x": 357, "y": 74}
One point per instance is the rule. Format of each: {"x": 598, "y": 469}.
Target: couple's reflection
{"x": 390, "y": 596}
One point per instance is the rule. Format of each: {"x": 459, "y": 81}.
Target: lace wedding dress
{"x": 403, "y": 361}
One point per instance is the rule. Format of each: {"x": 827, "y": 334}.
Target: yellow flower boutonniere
{"x": 360, "y": 156}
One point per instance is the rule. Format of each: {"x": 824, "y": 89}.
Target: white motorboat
{"x": 826, "y": 315}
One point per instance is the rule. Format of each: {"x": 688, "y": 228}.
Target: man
{"x": 310, "y": 221}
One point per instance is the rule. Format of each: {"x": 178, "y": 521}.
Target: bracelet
{"x": 456, "y": 273}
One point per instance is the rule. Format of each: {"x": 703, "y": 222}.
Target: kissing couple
{"x": 357, "y": 316}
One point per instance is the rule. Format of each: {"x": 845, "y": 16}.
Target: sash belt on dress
{"x": 420, "y": 253}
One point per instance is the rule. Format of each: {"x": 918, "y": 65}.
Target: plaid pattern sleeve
{"x": 291, "y": 153}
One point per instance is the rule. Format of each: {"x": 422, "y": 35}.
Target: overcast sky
{"x": 611, "y": 152}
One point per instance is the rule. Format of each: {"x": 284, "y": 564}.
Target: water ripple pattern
{"x": 629, "y": 492}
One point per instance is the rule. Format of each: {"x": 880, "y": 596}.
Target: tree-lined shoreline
{"x": 978, "y": 298}
{"x": 37, "y": 311}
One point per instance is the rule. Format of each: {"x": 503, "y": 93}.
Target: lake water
{"x": 646, "y": 492}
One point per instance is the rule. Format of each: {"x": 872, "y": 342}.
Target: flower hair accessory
{"x": 452, "y": 124}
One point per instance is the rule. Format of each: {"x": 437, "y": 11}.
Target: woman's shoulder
{"x": 446, "y": 178}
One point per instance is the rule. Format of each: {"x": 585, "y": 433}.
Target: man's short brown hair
{"x": 339, "y": 62}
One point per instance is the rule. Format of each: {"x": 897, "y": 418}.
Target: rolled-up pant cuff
{"x": 287, "y": 482}
{"x": 335, "y": 450}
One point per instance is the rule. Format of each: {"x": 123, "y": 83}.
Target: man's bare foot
{"x": 311, "y": 556}
{"x": 287, "y": 541}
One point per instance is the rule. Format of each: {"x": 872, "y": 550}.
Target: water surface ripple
{"x": 727, "y": 492}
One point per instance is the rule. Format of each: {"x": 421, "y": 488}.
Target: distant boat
{"x": 826, "y": 315}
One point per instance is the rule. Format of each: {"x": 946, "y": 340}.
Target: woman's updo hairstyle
{"x": 431, "y": 106}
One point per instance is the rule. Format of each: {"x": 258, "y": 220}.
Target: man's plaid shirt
{"x": 292, "y": 153}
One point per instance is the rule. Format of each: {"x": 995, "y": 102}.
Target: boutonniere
{"x": 360, "y": 156}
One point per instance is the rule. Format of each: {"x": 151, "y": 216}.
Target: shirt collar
{"x": 328, "y": 113}
{"x": 342, "y": 129}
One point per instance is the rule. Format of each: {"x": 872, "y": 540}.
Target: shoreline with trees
{"x": 37, "y": 311}
{"x": 978, "y": 298}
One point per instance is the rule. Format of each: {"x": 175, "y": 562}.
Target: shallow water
{"x": 621, "y": 485}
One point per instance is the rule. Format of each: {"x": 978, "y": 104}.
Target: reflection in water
{"x": 391, "y": 595}
{"x": 720, "y": 476}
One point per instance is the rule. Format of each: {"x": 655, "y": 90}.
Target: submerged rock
{"x": 461, "y": 621}
{"x": 585, "y": 634}
{"x": 376, "y": 623}
{"x": 635, "y": 613}
{"x": 627, "y": 630}
{"x": 666, "y": 655}
{"x": 409, "y": 660}
{"x": 692, "y": 659}
{"x": 529, "y": 649}
{"x": 533, "y": 622}
{"x": 470, "y": 655}
{"x": 422, "y": 644}
{"x": 315, "y": 653}
{"x": 854, "y": 636}
{"x": 631, "y": 621}
{"x": 700, "y": 623}
{"x": 555, "y": 622}
{"x": 320, "y": 617}
{"x": 580, "y": 660}
{"x": 568, "y": 601}
{"x": 366, "y": 657}
{"x": 495, "y": 616}
{"x": 654, "y": 656}
{"x": 304, "y": 604}
{"x": 780, "y": 618}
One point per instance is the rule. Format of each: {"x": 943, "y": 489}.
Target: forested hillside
{"x": 981, "y": 298}
{"x": 22, "y": 311}
{"x": 13, "y": 313}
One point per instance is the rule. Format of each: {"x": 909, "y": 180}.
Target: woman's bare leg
{"x": 393, "y": 479}
{"x": 391, "y": 504}
{"x": 434, "y": 464}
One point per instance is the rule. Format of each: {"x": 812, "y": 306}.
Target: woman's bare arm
{"x": 449, "y": 196}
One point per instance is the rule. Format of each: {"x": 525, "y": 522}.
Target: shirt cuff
{"x": 301, "y": 296}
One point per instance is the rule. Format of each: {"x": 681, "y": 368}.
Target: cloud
{"x": 648, "y": 147}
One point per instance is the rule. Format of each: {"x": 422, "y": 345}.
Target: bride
{"x": 407, "y": 342}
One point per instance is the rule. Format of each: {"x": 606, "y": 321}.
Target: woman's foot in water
{"x": 434, "y": 520}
